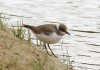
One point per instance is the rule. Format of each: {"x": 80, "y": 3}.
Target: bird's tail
{"x": 27, "y": 26}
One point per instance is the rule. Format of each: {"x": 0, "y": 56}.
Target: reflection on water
{"x": 82, "y": 18}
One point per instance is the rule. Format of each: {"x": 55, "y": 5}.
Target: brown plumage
{"x": 47, "y": 29}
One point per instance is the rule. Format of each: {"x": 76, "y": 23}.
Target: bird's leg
{"x": 45, "y": 47}
{"x": 51, "y": 50}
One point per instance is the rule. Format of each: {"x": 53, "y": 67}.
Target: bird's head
{"x": 63, "y": 29}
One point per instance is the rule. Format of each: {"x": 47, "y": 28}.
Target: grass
{"x": 19, "y": 32}
{"x": 3, "y": 25}
{"x": 37, "y": 66}
{"x": 29, "y": 37}
{"x": 38, "y": 42}
{"x": 66, "y": 59}
{"x": 69, "y": 64}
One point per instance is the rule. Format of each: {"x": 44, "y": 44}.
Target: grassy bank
{"x": 16, "y": 53}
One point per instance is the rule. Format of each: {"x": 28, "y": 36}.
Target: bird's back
{"x": 47, "y": 28}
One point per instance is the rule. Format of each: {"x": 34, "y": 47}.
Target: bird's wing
{"x": 47, "y": 29}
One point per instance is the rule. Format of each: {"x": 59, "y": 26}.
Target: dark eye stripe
{"x": 63, "y": 30}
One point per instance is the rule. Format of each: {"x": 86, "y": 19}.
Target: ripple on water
{"x": 92, "y": 44}
{"x": 83, "y": 55}
{"x": 70, "y": 2}
{"x": 85, "y": 31}
{"x": 94, "y": 51}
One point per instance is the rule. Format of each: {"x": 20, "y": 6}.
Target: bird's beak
{"x": 67, "y": 33}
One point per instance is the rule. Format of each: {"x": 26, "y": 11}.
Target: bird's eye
{"x": 63, "y": 30}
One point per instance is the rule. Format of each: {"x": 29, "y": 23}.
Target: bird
{"x": 49, "y": 33}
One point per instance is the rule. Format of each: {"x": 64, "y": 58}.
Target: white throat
{"x": 57, "y": 25}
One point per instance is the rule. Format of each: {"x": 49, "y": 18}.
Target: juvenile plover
{"x": 49, "y": 33}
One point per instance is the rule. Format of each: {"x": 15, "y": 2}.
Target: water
{"x": 82, "y": 18}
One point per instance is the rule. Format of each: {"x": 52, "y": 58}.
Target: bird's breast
{"x": 49, "y": 39}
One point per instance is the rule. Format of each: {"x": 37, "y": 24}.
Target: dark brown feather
{"x": 46, "y": 29}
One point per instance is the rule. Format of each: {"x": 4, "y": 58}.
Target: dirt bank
{"x": 16, "y": 54}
